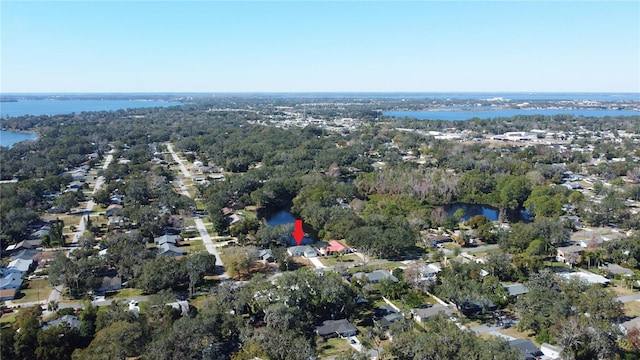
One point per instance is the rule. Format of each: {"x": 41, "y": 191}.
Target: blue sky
{"x": 295, "y": 46}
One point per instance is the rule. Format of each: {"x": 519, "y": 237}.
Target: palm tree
{"x": 52, "y": 305}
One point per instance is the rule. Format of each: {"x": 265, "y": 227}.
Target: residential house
{"x": 25, "y": 254}
{"x": 266, "y": 255}
{"x": 516, "y": 289}
{"x": 594, "y": 240}
{"x": 630, "y": 324}
{"x": 110, "y": 283}
{"x": 168, "y": 249}
{"x": 8, "y": 294}
{"x": 430, "y": 272}
{"x": 527, "y": 348}
{"x": 12, "y": 280}
{"x": 423, "y": 313}
{"x": 181, "y": 305}
{"x": 477, "y": 306}
{"x": 342, "y": 328}
{"x": 439, "y": 239}
{"x": 333, "y": 247}
{"x": 112, "y": 209}
{"x": 20, "y": 266}
{"x": 375, "y": 276}
{"x": 574, "y": 220}
{"x": 71, "y": 320}
{"x": 385, "y": 321}
{"x": 25, "y": 244}
{"x": 302, "y": 250}
{"x": 116, "y": 222}
{"x": 617, "y": 269}
{"x": 167, "y": 239}
{"x": 568, "y": 254}
{"x": 587, "y": 276}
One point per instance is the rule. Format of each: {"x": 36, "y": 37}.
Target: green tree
{"x": 57, "y": 343}
{"x": 26, "y": 339}
{"x": 119, "y": 340}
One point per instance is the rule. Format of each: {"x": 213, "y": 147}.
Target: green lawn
{"x": 8, "y": 318}
{"x": 33, "y": 290}
{"x": 194, "y": 245}
{"x": 348, "y": 259}
{"x": 200, "y": 205}
{"x": 247, "y": 214}
{"x": 632, "y": 308}
{"x": 388, "y": 265}
{"x": 333, "y": 347}
{"x": 124, "y": 294}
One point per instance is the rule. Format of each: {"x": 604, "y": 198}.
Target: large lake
{"x": 57, "y": 107}
{"x": 457, "y": 114}
{"x": 8, "y": 138}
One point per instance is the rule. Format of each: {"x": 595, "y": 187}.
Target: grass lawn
{"x": 620, "y": 289}
{"x": 348, "y": 259}
{"x": 513, "y": 331}
{"x": 124, "y": 294}
{"x": 8, "y": 318}
{"x": 193, "y": 246}
{"x": 388, "y": 265}
{"x": 303, "y": 262}
{"x": 33, "y": 290}
{"x": 632, "y": 308}
{"x": 200, "y": 205}
{"x": 190, "y": 222}
{"x": 247, "y": 214}
{"x": 333, "y": 347}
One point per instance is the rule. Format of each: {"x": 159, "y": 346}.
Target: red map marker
{"x": 297, "y": 233}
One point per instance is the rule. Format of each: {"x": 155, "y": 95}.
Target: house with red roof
{"x": 333, "y": 247}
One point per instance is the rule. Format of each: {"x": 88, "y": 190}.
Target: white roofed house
{"x": 375, "y": 276}
{"x": 167, "y": 239}
{"x": 168, "y": 249}
{"x": 303, "y": 251}
{"x": 20, "y": 266}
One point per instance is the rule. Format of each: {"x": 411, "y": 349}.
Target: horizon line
{"x": 313, "y": 92}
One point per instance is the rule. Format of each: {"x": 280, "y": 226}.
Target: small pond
{"x": 281, "y": 217}
{"x": 492, "y": 213}
{"x": 284, "y": 217}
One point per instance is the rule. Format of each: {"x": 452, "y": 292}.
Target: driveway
{"x": 317, "y": 263}
{"x": 629, "y": 298}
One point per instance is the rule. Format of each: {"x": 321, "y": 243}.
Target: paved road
{"x": 476, "y": 249}
{"x": 183, "y": 168}
{"x": 202, "y": 229}
{"x": 102, "y": 302}
{"x": 90, "y": 203}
